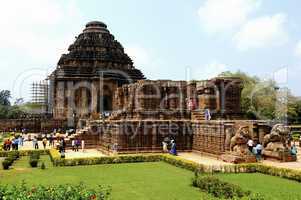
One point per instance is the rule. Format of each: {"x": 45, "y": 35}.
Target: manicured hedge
{"x": 24, "y": 152}
{"x": 57, "y": 192}
{"x": 9, "y": 160}
{"x": 58, "y": 161}
{"x": 281, "y": 172}
{"x": 178, "y": 162}
{"x": 218, "y": 188}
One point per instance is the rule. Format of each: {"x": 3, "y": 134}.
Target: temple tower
{"x": 86, "y": 77}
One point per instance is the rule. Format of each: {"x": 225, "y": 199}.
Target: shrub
{"x": 24, "y": 152}
{"x": 6, "y": 164}
{"x": 218, "y": 188}
{"x": 33, "y": 162}
{"x": 43, "y": 166}
{"x": 35, "y": 155}
{"x": 66, "y": 192}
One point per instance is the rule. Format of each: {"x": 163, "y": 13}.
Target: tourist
{"x": 35, "y": 143}
{"x": 7, "y": 145}
{"x": 61, "y": 149}
{"x": 114, "y": 148}
{"x": 51, "y": 141}
{"x": 164, "y": 144}
{"x": 73, "y": 144}
{"x": 294, "y": 150}
{"x": 16, "y": 144}
{"x": 258, "y": 149}
{"x": 207, "y": 114}
{"x": 83, "y": 145}
{"x": 250, "y": 144}
{"x": 21, "y": 139}
{"x": 44, "y": 142}
{"x": 173, "y": 150}
{"x": 77, "y": 144}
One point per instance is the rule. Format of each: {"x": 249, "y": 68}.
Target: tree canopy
{"x": 263, "y": 99}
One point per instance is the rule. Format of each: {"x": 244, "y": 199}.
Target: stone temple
{"x": 112, "y": 103}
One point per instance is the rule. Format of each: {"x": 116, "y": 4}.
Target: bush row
{"x": 58, "y": 161}
{"x": 9, "y": 160}
{"x": 178, "y": 162}
{"x": 57, "y": 192}
{"x": 24, "y": 152}
{"x": 221, "y": 189}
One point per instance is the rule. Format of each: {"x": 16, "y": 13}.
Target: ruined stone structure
{"x": 86, "y": 77}
{"x": 97, "y": 84}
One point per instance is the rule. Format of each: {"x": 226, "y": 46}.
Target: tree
{"x": 4, "y": 97}
{"x": 263, "y": 99}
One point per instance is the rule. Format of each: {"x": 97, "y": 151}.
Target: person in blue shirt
{"x": 294, "y": 150}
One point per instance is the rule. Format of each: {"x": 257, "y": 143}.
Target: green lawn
{"x": 145, "y": 181}
{"x": 271, "y": 187}
{"x": 129, "y": 181}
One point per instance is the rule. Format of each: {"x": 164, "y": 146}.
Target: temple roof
{"x": 97, "y": 49}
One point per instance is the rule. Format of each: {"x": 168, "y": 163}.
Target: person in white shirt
{"x": 83, "y": 145}
{"x": 250, "y": 145}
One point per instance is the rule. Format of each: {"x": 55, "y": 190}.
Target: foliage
{"x": 57, "y": 192}
{"x": 34, "y": 159}
{"x": 24, "y": 152}
{"x": 9, "y": 160}
{"x": 260, "y": 99}
{"x": 218, "y": 188}
{"x": 33, "y": 162}
{"x": 6, "y": 164}
{"x": 58, "y": 161}
{"x": 4, "y": 97}
{"x": 43, "y": 166}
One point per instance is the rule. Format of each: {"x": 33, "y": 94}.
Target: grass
{"x": 154, "y": 181}
{"x": 274, "y": 188}
{"x": 147, "y": 181}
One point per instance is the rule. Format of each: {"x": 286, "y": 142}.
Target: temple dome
{"x": 97, "y": 49}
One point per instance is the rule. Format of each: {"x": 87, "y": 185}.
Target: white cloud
{"x": 33, "y": 27}
{"x": 298, "y": 49}
{"x": 223, "y": 15}
{"x": 267, "y": 31}
{"x": 209, "y": 71}
{"x": 139, "y": 55}
{"x": 33, "y": 35}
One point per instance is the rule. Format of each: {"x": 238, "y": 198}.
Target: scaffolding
{"x": 39, "y": 91}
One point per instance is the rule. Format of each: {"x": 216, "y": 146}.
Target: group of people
{"x": 13, "y": 143}
{"x": 255, "y": 148}
{"x": 173, "y": 147}
{"x": 76, "y": 143}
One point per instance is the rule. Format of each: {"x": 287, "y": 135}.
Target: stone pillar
{"x": 222, "y": 97}
{"x": 154, "y": 136}
{"x": 94, "y": 97}
{"x": 60, "y": 99}
{"x": 70, "y": 103}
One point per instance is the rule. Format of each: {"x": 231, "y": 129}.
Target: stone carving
{"x": 238, "y": 144}
{"x": 275, "y": 143}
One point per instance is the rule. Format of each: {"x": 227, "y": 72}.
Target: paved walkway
{"x": 88, "y": 153}
{"x": 201, "y": 159}
{"x": 28, "y": 145}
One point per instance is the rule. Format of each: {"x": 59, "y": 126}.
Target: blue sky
{"x": 170, "y": 39}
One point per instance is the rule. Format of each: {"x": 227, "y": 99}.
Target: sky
{"x": 170, "y": 39}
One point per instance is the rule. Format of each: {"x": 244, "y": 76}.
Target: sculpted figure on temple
{"x": 275, "y": 143}
{"x": 238, "y": 144}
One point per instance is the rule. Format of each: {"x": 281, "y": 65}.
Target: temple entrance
{"x": 82, "y": 98}
{"x": 107, "y": 103}
{"x": 104, "y": 100}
